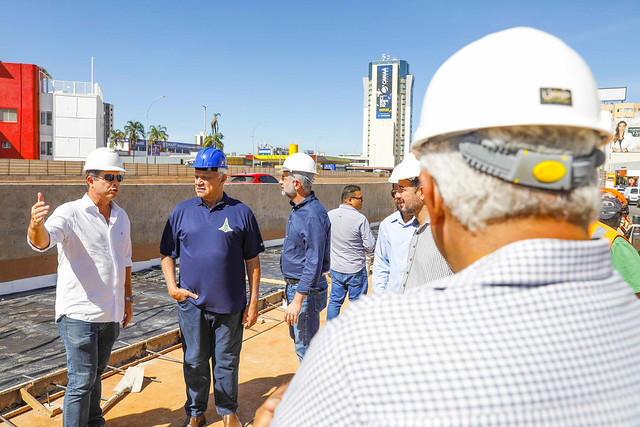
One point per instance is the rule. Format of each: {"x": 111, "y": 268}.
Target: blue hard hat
{"x": 210, "y": 158}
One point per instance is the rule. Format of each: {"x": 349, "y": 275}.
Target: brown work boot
{"x": 195, "y": 422}
{"x": 231, "y": 420}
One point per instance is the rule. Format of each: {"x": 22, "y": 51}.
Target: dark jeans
{"x": 88, "y": 346}
{"x": 355, "y": 283}
{"x": 309, "y": 317}
{"x": 206, "y": 335}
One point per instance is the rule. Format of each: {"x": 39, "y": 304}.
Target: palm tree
{"x": 134, "y": 131}
{"x": 156, "y": 135}
{"x": 214, "y": 141}
{"x": 116, "y": 137}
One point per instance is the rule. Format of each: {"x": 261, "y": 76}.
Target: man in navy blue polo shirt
{"x": 305, "y": 252}
{"x": 215, "y": 237}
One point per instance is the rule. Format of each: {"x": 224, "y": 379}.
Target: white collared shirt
{"x": 391, "y": 252}
{"x": 92, "y": 260}
{"x": 539, "y": 332}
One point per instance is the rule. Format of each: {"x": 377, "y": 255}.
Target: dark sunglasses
{"x": 109, "y": 177}
{"x": 359, "y": 198}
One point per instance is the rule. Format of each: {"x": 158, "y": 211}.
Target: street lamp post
{"x": 253, "y": 145}
{"x": 146, "y": 136}
{"x": 205, "y": 122}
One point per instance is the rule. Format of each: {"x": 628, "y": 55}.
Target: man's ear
{"x": 431, "y": 198}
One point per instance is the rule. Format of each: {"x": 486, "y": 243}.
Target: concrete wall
{"x": 148, "y": 207}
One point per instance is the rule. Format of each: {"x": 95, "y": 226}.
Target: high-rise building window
{"x": 46, "y": 148}
{"x": 8, "y": 115}
{"x": 46, "y": 117}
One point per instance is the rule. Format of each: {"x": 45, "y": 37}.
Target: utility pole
{"x": 205, "y": 122}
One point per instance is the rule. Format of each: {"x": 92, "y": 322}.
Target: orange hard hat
{"x": 618, "y": 195}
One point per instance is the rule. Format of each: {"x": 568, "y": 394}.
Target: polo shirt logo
{"x": 225, "y": 227}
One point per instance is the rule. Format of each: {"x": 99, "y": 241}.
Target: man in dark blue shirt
{"x": 305, "y": 252}
{"x": 215, "y": 237}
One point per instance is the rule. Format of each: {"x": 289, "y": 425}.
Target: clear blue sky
{"x": 296, "y": 64}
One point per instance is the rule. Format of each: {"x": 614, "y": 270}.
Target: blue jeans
{"x": 309, "y": 317}
{"x": 206, "y": 335}
{"x": 356, "y": 284}
{"x": 88, "y": 346}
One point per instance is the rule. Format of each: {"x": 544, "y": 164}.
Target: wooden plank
{"x": 4, "y": 166}
{"x": 50, "y": 411}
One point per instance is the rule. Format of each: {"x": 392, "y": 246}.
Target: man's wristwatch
{"x": 128, "y": 298}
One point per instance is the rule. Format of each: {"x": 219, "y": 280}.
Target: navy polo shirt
{"x": 212, "y": 245}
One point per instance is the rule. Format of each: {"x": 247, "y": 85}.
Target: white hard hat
{"x": 406, "y": 169}
{"x": 516, "y": 77}
{"x": 299, "y": 162}
{"x": 103, "y": 159}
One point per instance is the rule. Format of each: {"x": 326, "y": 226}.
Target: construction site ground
{"x": 267, "y": 360}
{"x": 31, "y": 348}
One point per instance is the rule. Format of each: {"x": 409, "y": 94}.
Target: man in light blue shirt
{"x": 396, "y": 230}
{"x": 351, "y": 239}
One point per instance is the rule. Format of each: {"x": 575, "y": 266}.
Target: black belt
{"x": 289, "y": 281}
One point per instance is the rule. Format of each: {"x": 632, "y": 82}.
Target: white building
{"x": 388, "y": 90}
{"x": 73, "y": 116}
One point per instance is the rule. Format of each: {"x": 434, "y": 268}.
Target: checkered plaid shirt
{"x": 540, "y": 332}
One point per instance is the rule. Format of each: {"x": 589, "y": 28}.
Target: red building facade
{"x": 19, "y": 111}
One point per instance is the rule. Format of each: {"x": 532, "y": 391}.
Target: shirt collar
{"x": 88, "y": 204}
{"x": 345, "y": 206}
{"x": 535, "y": 262}
{"x": 224, "y": 201}
{"x": 309, "y": 198}
{"x": 423, "y": 227}
{"x": 413, "y": 222}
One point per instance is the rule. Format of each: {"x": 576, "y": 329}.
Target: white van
{"x": 631, "y": 194}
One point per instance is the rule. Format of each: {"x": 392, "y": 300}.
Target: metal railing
{"x": 74, "y": 88}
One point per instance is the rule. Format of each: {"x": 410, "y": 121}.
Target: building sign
{"x": 169, "y": 145}
{"x": 626, "y": 136}
{"x": 384, "y": 95}
{"x": 265, "y": 151}
{"x": 237, "y": 161}
{"x": 329, "y": 166}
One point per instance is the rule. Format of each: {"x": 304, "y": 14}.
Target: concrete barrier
{"x": 148, "y": 207}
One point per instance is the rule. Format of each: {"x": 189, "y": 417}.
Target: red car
{"x": 252, "y": 178}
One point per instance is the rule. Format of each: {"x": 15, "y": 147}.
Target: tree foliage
{"x": 157, "y": 134}
{"x": 116, "y": 138}
{"x": 134, "y": 131}
{"x": 214, "y": 141}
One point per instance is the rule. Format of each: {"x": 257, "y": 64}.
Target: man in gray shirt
{"x": 424, "y": 261}
{"x": 351, "y": 239}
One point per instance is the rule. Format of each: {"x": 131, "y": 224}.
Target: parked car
{"x": 252, "y": 178}
{"x": 631, "y": 194}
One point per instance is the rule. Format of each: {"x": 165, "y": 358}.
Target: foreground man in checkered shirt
{"x": 536, "y": 327}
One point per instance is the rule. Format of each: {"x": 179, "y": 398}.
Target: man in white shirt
{"x": 396, "y": 230}
{"x": 93, "y": 293}
{"x": 535, "y": 327}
